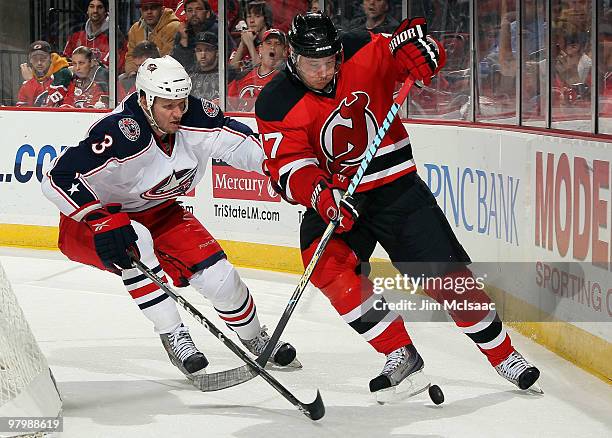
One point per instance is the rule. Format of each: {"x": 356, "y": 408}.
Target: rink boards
{"x": 538, "y": 207}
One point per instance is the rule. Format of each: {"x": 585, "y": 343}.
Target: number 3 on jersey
{"x": 276, "y": 137}
{"x": 99, "y": 148}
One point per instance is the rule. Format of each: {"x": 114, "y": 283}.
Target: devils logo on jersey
{"x": 175, "y": 185}
{"x": 347, "y": 132}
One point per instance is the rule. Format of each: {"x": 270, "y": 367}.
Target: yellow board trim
{"x": 587, "y": 351}
{"x": 28, "y": 236}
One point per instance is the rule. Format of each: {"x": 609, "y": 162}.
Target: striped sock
{"x": 155, "y": 304}
{"x": 241, "y": 317}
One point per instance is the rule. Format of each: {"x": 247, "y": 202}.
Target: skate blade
{"x": 412, "y": 385}
{"x": 293, "y": 365}
{"x": 534, "y": 389}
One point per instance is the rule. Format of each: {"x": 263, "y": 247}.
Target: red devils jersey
{"x": 307, "y": 135}
{"x": 87, "y": 93}
{"x": 48, "y": 92}
{"x": 243, "y": 92}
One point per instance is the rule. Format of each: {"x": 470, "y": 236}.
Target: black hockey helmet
{"x": 314, "y": 35}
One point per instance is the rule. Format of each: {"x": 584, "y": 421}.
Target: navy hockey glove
{"x": 327, "y": 201}
{"x": 114, "y": 236}
{"x": 417, "y": 53}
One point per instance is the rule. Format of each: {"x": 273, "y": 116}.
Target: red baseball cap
{"x": 275, "y": 32}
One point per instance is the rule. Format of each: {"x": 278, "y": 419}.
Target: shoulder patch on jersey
{"x": 210, "y": 108}
{"x": 352, "y": 42}
{"x": 130, "y": 128}
{"x": 278, "y": 97}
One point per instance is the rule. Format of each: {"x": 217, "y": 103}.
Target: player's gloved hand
{"x": 417, "y": 53}
{"x": 114, "y": 236}
{"x": 327, "y": 201}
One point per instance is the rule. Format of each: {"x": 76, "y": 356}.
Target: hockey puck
{"x": 436, "y": 395}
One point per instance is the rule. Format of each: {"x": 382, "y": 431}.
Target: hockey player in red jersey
{"x": 117, "y": 194}
{"x": 316, "y": 120}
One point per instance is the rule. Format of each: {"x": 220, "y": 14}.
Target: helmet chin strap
{"x": 148, "y": 111}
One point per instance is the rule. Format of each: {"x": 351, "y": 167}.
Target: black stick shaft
{"x": 314, "y": 410}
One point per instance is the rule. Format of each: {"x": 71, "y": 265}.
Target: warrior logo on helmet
{"x": 347, "y": 132}
{"x": 151, "y": 67}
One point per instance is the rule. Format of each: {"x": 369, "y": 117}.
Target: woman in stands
{"x": 89, "y": 85}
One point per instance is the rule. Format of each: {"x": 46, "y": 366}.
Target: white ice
{"x": 116, "y": 380}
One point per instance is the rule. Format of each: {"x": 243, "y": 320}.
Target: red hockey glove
{"x": 327, "y": 200}
{"x": 417, "y": 53}
{"x": 114, "y": 236}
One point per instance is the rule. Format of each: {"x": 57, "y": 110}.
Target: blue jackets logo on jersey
{"x": 347, "y": 132}
{"x": 175, "y": 185}
{"x": 210, "y": 108}
{"x": 130, "y": 128}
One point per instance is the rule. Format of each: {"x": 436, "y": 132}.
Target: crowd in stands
{"x": 257, "y": 46}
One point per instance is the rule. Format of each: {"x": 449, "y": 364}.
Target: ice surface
{"x": 116, "y": 381}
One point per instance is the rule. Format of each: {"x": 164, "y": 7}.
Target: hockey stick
{"x": 244, "y": 372}
{"x": 314, "y": 410}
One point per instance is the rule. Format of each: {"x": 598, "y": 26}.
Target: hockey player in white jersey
{"x": 117, "y": 192}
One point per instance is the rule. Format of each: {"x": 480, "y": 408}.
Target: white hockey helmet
{"x": 162, "y": 77}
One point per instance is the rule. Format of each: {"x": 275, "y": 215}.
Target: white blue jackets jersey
{"x": 121, "y": 162}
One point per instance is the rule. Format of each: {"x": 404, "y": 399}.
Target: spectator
{"x": 231, "y": 10}
{"x": 258, "y": 20}
{"x": 576, "y": 12}
{"x": 127, "y": 81}
{"x": 313, "y": 6}
{"x": 95, "y": 34}
{"x": 157, "y": 24}
{"x": 199, "y": 18}
{"x": 243, "y": 92}
{"x": 89, "y": 85}
{"x": 572, "y": 66}
{"x": 46, "y": 77}
{"x": 205, "y": 73}
{"x": 376, "y": 18}
{"x": 534, "y": 36}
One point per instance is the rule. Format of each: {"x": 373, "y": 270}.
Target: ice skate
{"x": 283, "y": 355}
{"x": 401, "y": 377}
{"x": 183, "y": 353}
{"x": 518, "y": 371}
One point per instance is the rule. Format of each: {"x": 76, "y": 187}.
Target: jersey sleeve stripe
{"x": 218, "y": 129}
{"x": 61, "y": 192}
{"x": 88, "y": 187}
{"x": 289, "y": 169}
{"x": 79, "y": 214}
